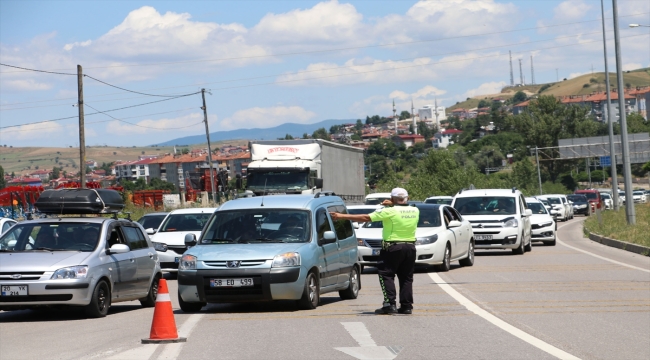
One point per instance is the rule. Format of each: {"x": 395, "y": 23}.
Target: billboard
{"x": 598, "y": 146}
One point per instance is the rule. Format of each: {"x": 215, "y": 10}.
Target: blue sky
{"x": 270, "y": 62}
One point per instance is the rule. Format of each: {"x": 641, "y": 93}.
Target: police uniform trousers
{"x": 397, "y": 259}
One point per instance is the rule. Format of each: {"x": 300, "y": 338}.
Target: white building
{"x": 428, "y": 113}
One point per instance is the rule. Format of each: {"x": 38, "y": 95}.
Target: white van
{"x": 376, "y": 198}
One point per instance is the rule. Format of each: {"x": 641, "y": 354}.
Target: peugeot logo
{"x": 233, "y": 264}
{"x": 16, "y": 276}
{"x": 479, "y": 225}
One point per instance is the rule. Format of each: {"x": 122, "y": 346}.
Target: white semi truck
{"x": 306, "y": 167}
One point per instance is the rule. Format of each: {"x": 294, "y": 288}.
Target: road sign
{"x": 605, "y": 161}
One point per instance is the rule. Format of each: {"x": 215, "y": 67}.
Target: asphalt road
{"x": 578, "y": 299}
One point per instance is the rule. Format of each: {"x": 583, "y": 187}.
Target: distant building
{"x": 43, "y": 174}
{"x": 407, "y": 140}
{"x": 428, "y": 113}
{"x": 442, "y": 139}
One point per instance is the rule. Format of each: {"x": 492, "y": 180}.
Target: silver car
{"x": 88, "y": 262}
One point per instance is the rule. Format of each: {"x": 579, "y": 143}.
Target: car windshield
{"x": 577, "y": 198}
{"x": 486, "y": 205}
{"x": 544, "y": 201}
{"x": 605, "y": 196}
{"x": 258, "y": 226}
{"x": 554, "y": 201}
{"x": 151, "y": 221}
{"x": 591, "y": 195}
{"x": 440, "y": 201}
{"x": 184, "y": 222}
{"x": 537, "y": 208}
{"x": 428, "y": 218}
{"x": 376, "y": 201}
{"x": 638, "y": 193}
{"x": 59, "y": 236}
{"x": 360, "y": 211}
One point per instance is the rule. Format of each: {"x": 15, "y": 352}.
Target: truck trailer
{"x": 306, "y": 167}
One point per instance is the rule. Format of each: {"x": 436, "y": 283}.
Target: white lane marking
{"x": 138, "y": 353}
{"x": 544, "y": 346}
{"x": 367, "y": 349}
{"x": 597, "y": 256}
{"x": 172, "y": 351}
{"x": 360, "y": 333}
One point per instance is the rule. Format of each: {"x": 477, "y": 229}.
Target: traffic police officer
{"x": 397, "y": 256}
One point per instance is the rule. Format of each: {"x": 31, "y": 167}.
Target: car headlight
{"x": 583, "y": 206}
{"x": 288, "y": 259}
{"x": 360, "y": 242}
{"x": 71, "y": 272}
{"x": 511, "y": 223}
{"x": 162, "y": 247}
{"x": 187, "y": 262}
{"x": 426, "y": 240}
{"x": 546, "y": 224}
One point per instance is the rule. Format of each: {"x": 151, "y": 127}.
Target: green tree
{"x": 359, "y": 125}
{"x": 305, "y": 136}
{"x": 185, "y": 151}
{"x": 635, "y": 124}
{"x": 335, "y": 129}
{"x": 484, "y": 103}
{"x": 404, "y": 115}
{"x": 426, "y": 131}
{"x": 3, "y": 183}
{"x": 520, "y": 96}
{"x": 157, "y": 184}
{"x": 524, "y": 176}
{"x": 489, "y": 156}
{"x": 321, "y": 134}
{"x": 88, "y": 169}
{"x": 56, "y": 172}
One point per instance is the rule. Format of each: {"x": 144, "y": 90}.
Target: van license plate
{"x": 482, "y": 237}
{"x": 231, "y": 282}
{"x": 177, "y": 260}
{"x": 14, "y": 290}
{"x": 376, "y": 251}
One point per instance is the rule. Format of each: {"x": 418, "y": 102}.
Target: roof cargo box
{"x": 79, "y": 201}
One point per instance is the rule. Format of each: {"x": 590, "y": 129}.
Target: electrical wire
{"x": 36, "y": 70}
{"x": 142, "y": 126}
{"x": 132, "y": 91}
{"x": 122, "y": 108}
{"x": 340, "y": 49}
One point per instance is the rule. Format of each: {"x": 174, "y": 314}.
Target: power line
{"x": 142, "y": 126}
{"x": 339, "y": 49}
{"x": 36, "y": 70}
{"x": 132, "y": 91}
{"x": 122, "y": 108}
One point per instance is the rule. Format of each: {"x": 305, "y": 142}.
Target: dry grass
{"x": 615, "y": 225}
{"x": 576, "y": 85}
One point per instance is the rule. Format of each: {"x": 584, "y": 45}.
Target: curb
{"x": 638, "y": 249}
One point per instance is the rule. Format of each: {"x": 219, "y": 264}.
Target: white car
{"x": 442, "y": 200}
{"x": 542, "y": 224}
{"x": 442, "y": 236}
{"x": 169, "y": 238}
{"x": 6, "y": 224}
{"x": 639, "y": 197}
{"x": 376, "y": 198}
{"x": 556, "y": 205}
{"x": 499, "y": 217}
{"x": 361, "y": 209}
{"x": 607, "y": 200}
{"x": 621, "y": 197}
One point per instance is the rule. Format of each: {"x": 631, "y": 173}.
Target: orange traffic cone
{"x": 163, "y": 326}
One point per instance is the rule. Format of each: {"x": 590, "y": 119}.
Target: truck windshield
{"x": 277, "y": 180}
{"x": 258, "y": 226}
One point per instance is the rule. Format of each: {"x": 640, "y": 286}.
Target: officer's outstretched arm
{"x": 357, "y": 218}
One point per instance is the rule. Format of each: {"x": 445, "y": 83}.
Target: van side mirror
{"x": 329, "y": 237}
{"x": 318, "y": 182}
{"x": 150, "y": 231}
{"x": 454, "y": 224}
{"x": 190, "y": 240}
{"x": 528, "y": 212}
{"x": 118, "y": 249}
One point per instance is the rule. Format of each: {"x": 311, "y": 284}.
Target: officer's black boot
{"x": 405, "y": 311}
{"x": 387, "y": 310}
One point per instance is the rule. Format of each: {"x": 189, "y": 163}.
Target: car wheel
{"x": 310, "y": 294}
{"x": 519, "y": 250}
{"x": 469, "y": 260}
{"x": 150, "y": 299}
{"x": 353, "y": 288}
{"x": 529, "y": 246}
{"x": 362, "y": 267}
{"x": 100, "y": 301}
{"x": 190, "y": 307}
{"x": 446, "y": 260}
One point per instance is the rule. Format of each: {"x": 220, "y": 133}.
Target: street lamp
{"x": 638, "y": 25}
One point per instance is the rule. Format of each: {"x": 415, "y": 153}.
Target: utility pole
{"x": 207, "y": 135}
{"x": 532, "y": 71}
{"x": 512, "y": 76}
{"x": 557, "y": 76}
{"x": 395, "y": 117}
{"x": 610, "y": 122}
{"x": 521, "y": 73}
{"x": 630, "y": 211}
{"x": 539, "y": 175}
{"x": 82, "y": 135}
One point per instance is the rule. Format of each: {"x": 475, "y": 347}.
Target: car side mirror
{"x": 454, "y": 224}
{"x": 329, "y": 237}
{"x": 528, "y": 212}
{"x": 119, "y": 249}
{"x": 150, "y": 231}
{"x": 190, "y": 240}
{"x": 318, "y": 182}
{"x": 355, "y": 225}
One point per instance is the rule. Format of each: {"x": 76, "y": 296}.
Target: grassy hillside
{"x": 581, "y": 85}
{"x": 23, "y": 160}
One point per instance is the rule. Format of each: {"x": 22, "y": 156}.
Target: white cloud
{"x": 69, "y": 47}
{"x": 576, "y": 74}
{"x": 148, "y": 126}
{"x": 631, "y": 66}
{"x": 571, "y": 10}
{"x": 382, "y": 104}
{"x": 258, "y": 117}
{"x": 26, "y": 85}
{"x": 424, "y": 93}
{"x": 32, "y": 131}
{"x": 488, "y": 88}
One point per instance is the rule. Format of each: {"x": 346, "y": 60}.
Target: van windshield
{"x": 376, "y": 201}
{"x": 184, "y": 222}
{"x": 590, "y": 195}
{"x": 258, "y": 226}
{"x": 486, "y": 205}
